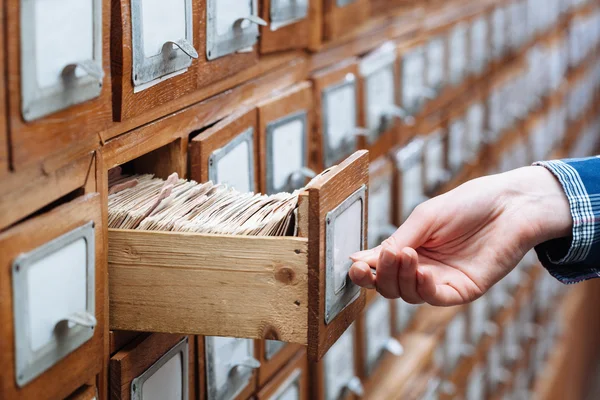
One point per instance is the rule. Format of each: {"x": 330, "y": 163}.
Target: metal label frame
{"x": 28, "y": 363}
{"x": 233, "y": 388}
{"x": 218, "y": 154}
{"x": 272, "y": 127}
{"x": 283, "y": 16}
{"x": 38, "y": 102}
{"x": 331, "y": 155}
{"x": 149, "y": 69}
{"x": 137, "y": 385}
{"x": 336, "y": 301}
{"x": 292, "y": 380}
{"x": 222, "y": 45}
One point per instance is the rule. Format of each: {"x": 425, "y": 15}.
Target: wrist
{"x": 542, "y": 202}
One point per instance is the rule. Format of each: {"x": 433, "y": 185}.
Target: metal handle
{"x": 355, "y": 386}
{"x": 248, "y": 362}
{"x": 394, "y": 347}
{"x": 81, "y": 318}
{"x": 392, "y": 110}
{"x": 297, "y": 178}
{"x": 89, "y": 66}
{"x": 255, "y": 19}
{"x": 183, "y": 45}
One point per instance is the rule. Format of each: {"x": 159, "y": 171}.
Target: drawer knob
{"x": 83, "y": 318}
{"x": 248, "y": 362}
{"x": 296, "y": 179}
{"x": 355, "y": 386}
{"x": 89, "y": 66}
{"x": 394, "y": 347}
{"x": 394, "y": 111}
{"x": 183, "y": 45}
{"x": 254, "y": 19}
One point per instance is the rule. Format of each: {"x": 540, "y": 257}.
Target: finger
{"x": 386, "y": 280}
{"x": 441, "y": 295}
{"x": 407, "y": 276}
{"x": 370, "y": 256}
{"x": 361, "y": 274}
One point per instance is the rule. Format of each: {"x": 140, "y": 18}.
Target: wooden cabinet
{"x": 332, "y": 19}
{"x": 288, "y": 25}
{"x": 291, "y": 382}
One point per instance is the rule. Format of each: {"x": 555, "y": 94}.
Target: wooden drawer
{"x": 335, "y": 376}
{"x": 155, "y": 366}
{"x": 297, "y": 301}
{"x": 86, "y": 392}
{"x": 378, "y": 112}
{"x": 332, "y": 19}
{"x": 288, "y": 25}
{"x": 409, "y": 182}
{"x": 291, "y": 382}
{"x": 228, "y": 152}
{"x": 60, "y": 103}
{"x": 284, "y": 127}
{"x": 381, "y": 204}
{"x": 53, "y": 311}
{"x": 374, "y": 338}
{"x": 336, "y": 113}
{"x": 273, "y": 355}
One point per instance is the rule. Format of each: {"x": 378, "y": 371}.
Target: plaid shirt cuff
{"x": 577, "y": 258}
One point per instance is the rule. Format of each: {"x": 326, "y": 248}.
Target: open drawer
{"x": 292, "y": 289}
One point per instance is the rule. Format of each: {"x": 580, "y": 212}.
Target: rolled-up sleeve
{"x": 576, "y": 258}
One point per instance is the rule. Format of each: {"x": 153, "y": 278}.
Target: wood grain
{"x": 294, "y": 99}
{"x": 65, "y": 135}
{"x": 119, "y": 339}
{"x": 202, "y": 146}
{"x": 138, "y": 356}
{"x": 165, "y": 160}
{"x": 196, "y": 281}
{"x": 339, "y": 20}
{"x": 327, "y": 193}
{"x": 288, "y": 37}
{"x": 86, "y": 362}
{"x": 297, "y": 362}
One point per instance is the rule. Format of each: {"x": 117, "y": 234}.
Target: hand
{"x": 454, "y": 247}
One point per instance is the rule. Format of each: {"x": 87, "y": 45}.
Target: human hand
{"x": 454, "y": 247}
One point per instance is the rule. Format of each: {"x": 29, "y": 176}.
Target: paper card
{"x": 339, "y": 365}
{"x": 286, "y": 147}
{"x": 436, "y": 62}
{"x": 377, "y": 331}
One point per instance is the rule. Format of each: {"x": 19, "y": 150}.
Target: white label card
{"x": 380, "y": 209}
{"x": 287, "y": 152}
{"x": 339, "y": 119}
{"x": 380, "y": 95}
{"x": 455, "y": 341}
{"x": 347, "y": 240}
{"x": 413, "y": 80}
{"x": 378, "y": 330}
{"x": 167, "y": 382}
{"x": 458, "y": 54}
{"x": 456, "y": 144}
{"x": 498, "y": 32}
{"x": 229, "y": 11}
{"x": 232, "y": 168}
{"x": 434, "y": 159}
{"x": 412, "y": 189}
{"x": 404, "y": 314}
{"x": 436, "y": 62}
{"x": 476, "y": 385}
{"x": 479, "y": 317}
{"x": 339, "y": 365}
{"x": 475, "y": 127}
{"x": 479, "y": 44}
{"x": 162, "y": 21}
{"x": 228, "y": 352}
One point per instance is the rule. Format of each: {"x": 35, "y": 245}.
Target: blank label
{"x": 287, "y": 152}
{"x": 456, "y": 143}
{"x": 436, "y": 62}
{"x": 227, "y": 354}
{"x": 229, "y": 11}
{"x": 380, "y": 209}
{"x": 339, "y": 365}
{"x": 232, "y": 168}
{"x": 347, "y": 240}
{"x": 458, "y": 54}
{"x": 378, "y": 330}
{"x": 380, "y": 95}
{"x": 64, "y": 34}
{"x": 412, "y": 80}
{"x": 455, "y": 340}
{"x": 340, "y": 119}
{"x": 412, "y": 188}
{"x": 479, "y": 34}
{"x": 434, "y": 160}
{"x": 162, "y": 21}
{"x": 166, "y": 382}
{"x": 478, "y": 315}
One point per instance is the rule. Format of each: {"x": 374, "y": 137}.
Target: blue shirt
{"x": 576, "y": 258}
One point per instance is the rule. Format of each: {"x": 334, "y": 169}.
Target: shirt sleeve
{"x": 576, "y": 258}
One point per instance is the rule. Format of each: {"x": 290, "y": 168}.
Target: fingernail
{"x": 388, "y": 257}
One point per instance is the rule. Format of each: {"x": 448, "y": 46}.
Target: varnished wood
{"x": 84, "y": 363}
{"x": 64, "y": 135}
{"x": 138, "y": 356}
{"x": 339, "y": 20}
{"x": 288, "y": 37}
{"x": 324, "y": 195}
{"x": 86, "y": 392}
{"x": 298, "y": 362}
{"x": 321, "y": 81}
{"x": 119, "y": 339}
{"x": 268, "y": 368}
{"x": 196, "y": 282}
{"x": 294, "y": 99}
{"x": 4, "y": 156}
{"x": 165, "y": 160}
{"x": 202, "y": 146}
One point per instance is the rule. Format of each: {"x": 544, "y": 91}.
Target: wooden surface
{"x": 119, "y": 339}
{"x": 321, "y": 81}
{"x": 4, "y": 156}
{"x": 326, "y": 193}
{"x": 86, "y": 362}
{"x": 86, "y": 392}
{"x": 268, "y": 368}
{"x": 340, "y": 20}
{"x": 295, "y": 99}
{"x": 138, "y": 356}
{"x": 296, "y": 363}
{"x": 206, "y": 143}
{"x": 196, "y": 281}
{"x": 288, "y": 37}
{"x": 52, "y": 141}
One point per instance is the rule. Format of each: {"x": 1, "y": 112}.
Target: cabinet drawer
{"x": 53, "y": 311}
{"x": 273, "y": 355}
{"x": 227, "y": 152}
{"x": 291, "y": 383}
{"x": 306, "y": 299}
{"x": 60, "y": 95}
{"x": 336, "y": 113}
{"x": 332, "y": 19}
{"x": 381, "y": 205}
{"x": 288, "y": 25}
{"x": 155, "y": 366}
{"x": 86, "y": 392}
{"x": 284, "y": 126}
{"x": 378, "y": 112}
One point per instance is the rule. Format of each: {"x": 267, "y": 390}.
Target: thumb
{"x": 413, "y": 233}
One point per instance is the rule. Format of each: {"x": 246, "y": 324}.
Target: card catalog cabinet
{"x": 284, "y": 126}
{"x": 227, "y": 152}
{"x": 58, "y": 60}
{"x": 154, "y": 366}
{"x": 332, "y": 19}
{"x": 53, "y": 310}
{"x": 290, "y": 383}
{"x": 273, "y": 355}
{"x": 336, "y": 113}
{"x": 288, "y": 25}
{"x": 308, "y": 300}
